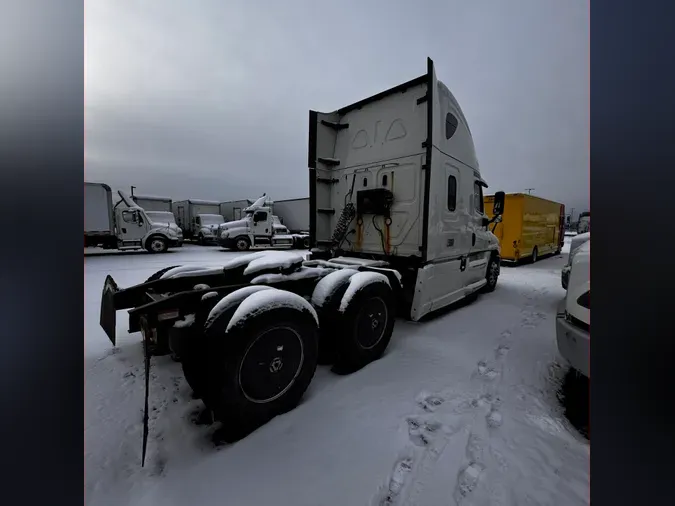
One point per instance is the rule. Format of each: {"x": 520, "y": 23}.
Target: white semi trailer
{"x": 397, "y": 226}
{"x": 293, "y": 213}
{"x": 124, "y": 225}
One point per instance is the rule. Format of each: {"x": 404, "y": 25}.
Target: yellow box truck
{"x": 530, "y": 226}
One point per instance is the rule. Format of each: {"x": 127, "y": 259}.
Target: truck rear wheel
{"x": 261, "y": 366}
{"x": 157, "y": 244}
{"x": 535, "y": 254}
{"x": 194, "y": 350}
{"x": 242, "y": 243}
{"x": 326, "y": 300}
{"x": 366, "y": 322}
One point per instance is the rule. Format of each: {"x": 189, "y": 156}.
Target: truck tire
{"x": 200, "y": 239}
{"x": 535, "y": 255}
{"x": 492, "y": 274}
{"x": 328, "y": 309}
{"x": 305, "y": 243}
{"x": 194, "y": 357}
{"x": 365, "y": 325}
{"x": 259, "y": 368}
{"x": 157, "y": 244}
{"x": 159, "y": 273}
{"x": 242, "y": 243}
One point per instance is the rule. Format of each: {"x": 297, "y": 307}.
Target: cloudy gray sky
{"x": 209, "y": 98}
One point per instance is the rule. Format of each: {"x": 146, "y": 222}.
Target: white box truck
{"x": 198, "y": 219}
{"x": 293, "y": 213}
{"x": 399, "y": 228}
{"x": 152, "y": 203}
{"x": 125, "y": 225}
{"x": 233, "y": 209}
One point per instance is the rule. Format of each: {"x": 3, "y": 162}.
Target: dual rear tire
{"x": 251, "y": 360}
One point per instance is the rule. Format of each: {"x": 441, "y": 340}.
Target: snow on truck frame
{"x": 397, "y": 227}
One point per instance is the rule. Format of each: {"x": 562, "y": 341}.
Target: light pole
{"x": 529, "y": 190}
{"x": 132, "y": 190}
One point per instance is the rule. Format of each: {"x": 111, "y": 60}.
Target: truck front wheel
{"x": 492, "y": 274}
{"x": 242, "y": 243}
{"x": 157, "y": 244}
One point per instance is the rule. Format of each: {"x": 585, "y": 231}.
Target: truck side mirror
{"x": 498, "y": 206}
{"x": 485, "y": 221}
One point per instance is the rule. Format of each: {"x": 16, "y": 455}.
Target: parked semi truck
{"x": 293, "y": 213}
{"x": 125, "y": 225}
{"x": 530, "y": 227}
{"x": 259, "y": 228}
{"x": 397, "y": 227}
{"x": 584, "y": 223}
{"x": 150, "y": 203}
{"x": 198, "y": 219}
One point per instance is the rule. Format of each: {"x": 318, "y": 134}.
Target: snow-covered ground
{"x": 462, "y": 409}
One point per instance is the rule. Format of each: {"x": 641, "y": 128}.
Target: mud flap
{"x": 145, "y": 331}
{"x": 108, "y": 319}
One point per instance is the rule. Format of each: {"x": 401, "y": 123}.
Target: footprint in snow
{"x": 429, "y": 402}
{"x": 397, "y": 481}
{"x": 422, "y": 433}
{"x": 486, "y": 372}
{"x": 494, "y": 419}
{"x": 467, "y": 481}
{"x": 502, "y": 350}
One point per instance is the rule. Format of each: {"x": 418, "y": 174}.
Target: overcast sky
{"x": 209, "y": 99}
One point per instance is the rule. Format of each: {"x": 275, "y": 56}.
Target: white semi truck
{"x": 259, "y": 228}
{"x": 151, "y": 203}
{"x": 125, "y": 225}
{"x": 198, "y": 219}
{"x": 397, "y": 227}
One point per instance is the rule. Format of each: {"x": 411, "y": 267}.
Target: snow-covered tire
{"x": 574, "y": 396}
{"x": 242, "y": 243}
{"x": 194, "y": 350}
{"x": 535, "y": 255}
{"x": 262, "y": 356}
{"x": 491, "y": 274}
{"x": 159, "y": 273}
{"x": 365, "y": 323}
{"x": 157, "y": 244}
{"x": 326, "y": 300}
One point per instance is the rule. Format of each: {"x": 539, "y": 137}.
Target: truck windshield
{"x": 161, "y": 217}
{"x": 211, "y": 219}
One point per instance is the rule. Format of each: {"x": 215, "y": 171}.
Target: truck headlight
{"x": 224, "y": 234}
